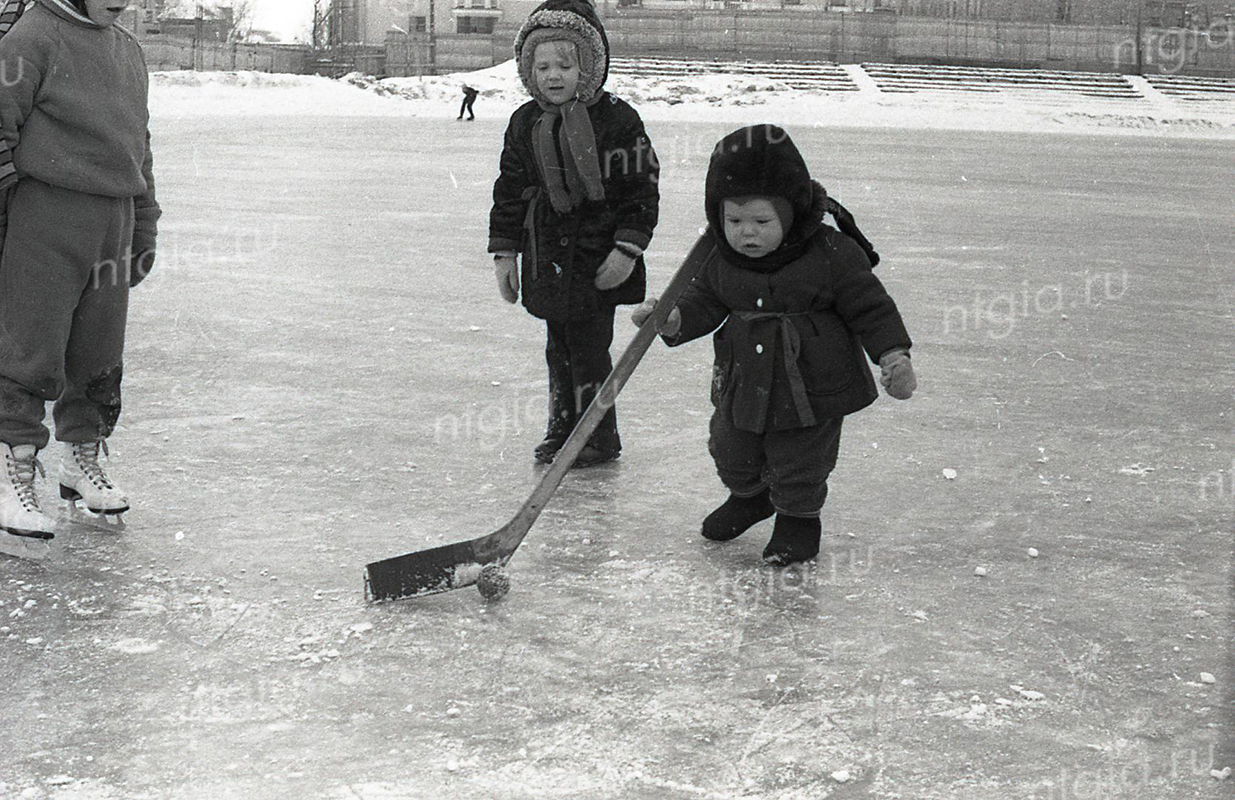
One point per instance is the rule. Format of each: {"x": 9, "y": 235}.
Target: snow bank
{"x": 702, "y": 98}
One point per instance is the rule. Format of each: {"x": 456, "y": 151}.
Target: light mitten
{"x": 615, "y": 269}
{"x": 672, "y": 324}
{"x": 896, "y": 374}
{"x": 506, "y": 268}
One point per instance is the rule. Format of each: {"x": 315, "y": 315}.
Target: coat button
{"x": 564, "y": 241}
{"x": 759, "y": 302}
{"x": 758, "y": 348}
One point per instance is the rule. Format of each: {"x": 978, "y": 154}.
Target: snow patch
{"x": 134, "y": 646}
{"x": 715, "y": 98}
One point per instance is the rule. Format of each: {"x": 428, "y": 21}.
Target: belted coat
{"x": 792, "y": 342}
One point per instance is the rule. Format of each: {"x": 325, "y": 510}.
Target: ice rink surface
{"x": 320, "y": 373}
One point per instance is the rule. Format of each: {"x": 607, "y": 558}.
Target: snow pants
{"x": 794, "y": 464}
{"x": 577, "y": 353}
{"x": 64, "y": 298}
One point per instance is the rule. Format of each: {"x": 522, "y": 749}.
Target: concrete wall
{"x": 168, "y": 53}
{"x": 856, "y": 38}
{"x": 413, "y": 55}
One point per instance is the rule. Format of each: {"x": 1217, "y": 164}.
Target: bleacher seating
{"x": 819, "y": 75}
{"x": 916, "y": 78}
{"x": 907, "y": 78}
{"x": 1194, "y": 90}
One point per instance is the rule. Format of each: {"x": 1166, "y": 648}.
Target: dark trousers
{"x": 467, "y": 106}
{"x": 577, "y": 353}
{"x": 64, "y": 297}
{"x": 794, "y": 464}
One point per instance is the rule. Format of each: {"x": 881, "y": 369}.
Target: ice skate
{"x": 82, "y": 478}
{"x": 24, "y": 529}
{"x": 736, "y": 515}
{"x": 794, "y": 539}
{"x": 30, "y": 547}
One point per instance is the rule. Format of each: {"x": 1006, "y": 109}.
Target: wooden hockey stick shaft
{"x": 452, "y": 566}
{"x": 606, "y": 396}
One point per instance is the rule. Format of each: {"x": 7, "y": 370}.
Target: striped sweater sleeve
{"x": 10, "y": 12}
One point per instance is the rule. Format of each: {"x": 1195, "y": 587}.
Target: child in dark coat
{"x": 796, "y": 303}
{"x": 577, "y": 197}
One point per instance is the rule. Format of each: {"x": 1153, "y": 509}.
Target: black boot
{"x": 793, "y": 539}
{"x": 604, "y": 445}
{"x": 560, "y": 426}
{"x": 735, "y": 516}
{"x": 561, "y": 407}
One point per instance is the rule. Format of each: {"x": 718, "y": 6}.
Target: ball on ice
{"x": 493, "y": 582}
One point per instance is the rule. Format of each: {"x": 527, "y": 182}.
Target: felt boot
{"x": 793, "y": 539}
{"x": 736, "y": 515}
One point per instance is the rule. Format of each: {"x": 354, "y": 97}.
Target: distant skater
{"x": 469, "y": 98}
{"x": 799, "y": 311}
{"x": 77, "y": 230}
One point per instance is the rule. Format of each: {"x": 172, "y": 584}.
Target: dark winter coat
{"x": 561, "y": 252}
{"x": 813, "y": 317}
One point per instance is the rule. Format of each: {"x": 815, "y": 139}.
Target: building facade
{"x": 371, "y": 21}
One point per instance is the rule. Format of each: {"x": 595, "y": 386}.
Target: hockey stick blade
{"x": 453, "y": 566}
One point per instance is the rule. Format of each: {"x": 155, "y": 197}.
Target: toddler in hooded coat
{"x": 577, "y": 200}
{"x": 796, "y": 305}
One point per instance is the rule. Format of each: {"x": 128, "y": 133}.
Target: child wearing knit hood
{"x": 77, "y": 229}
{"x": 576, "y": 202}
{"x": 798, "y": 310}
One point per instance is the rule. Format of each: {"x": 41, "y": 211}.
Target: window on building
{"x": 416, "y": 24}
{"x": 476, "y": 24}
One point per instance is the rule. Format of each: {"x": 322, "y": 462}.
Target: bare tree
{"x": 236, "y": 15}
{"x": 321, "y": 24}
{"x": 241, "y": 19}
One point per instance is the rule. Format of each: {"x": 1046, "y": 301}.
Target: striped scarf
{"x": 10, "y": 12}
{"x": 579, "y": 177}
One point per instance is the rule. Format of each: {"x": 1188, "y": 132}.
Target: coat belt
{"x": 791, "y": 344}
{"x": 531, "y": 194}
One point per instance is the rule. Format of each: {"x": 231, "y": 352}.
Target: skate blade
{"x": 104, "y": 521}
{"x": 25, "y": 547}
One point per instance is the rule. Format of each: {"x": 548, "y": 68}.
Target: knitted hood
{"x": 574, "y": 21}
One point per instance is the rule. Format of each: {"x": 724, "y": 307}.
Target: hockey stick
{"x": 456, "y": 565}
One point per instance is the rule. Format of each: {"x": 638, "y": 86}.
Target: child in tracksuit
{"x": 79, "y": 215}
{"x": 577, "y": 197}
{"x": 796, "y": 303}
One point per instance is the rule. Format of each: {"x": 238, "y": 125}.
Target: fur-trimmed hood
{"x": 574, "y": 21}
